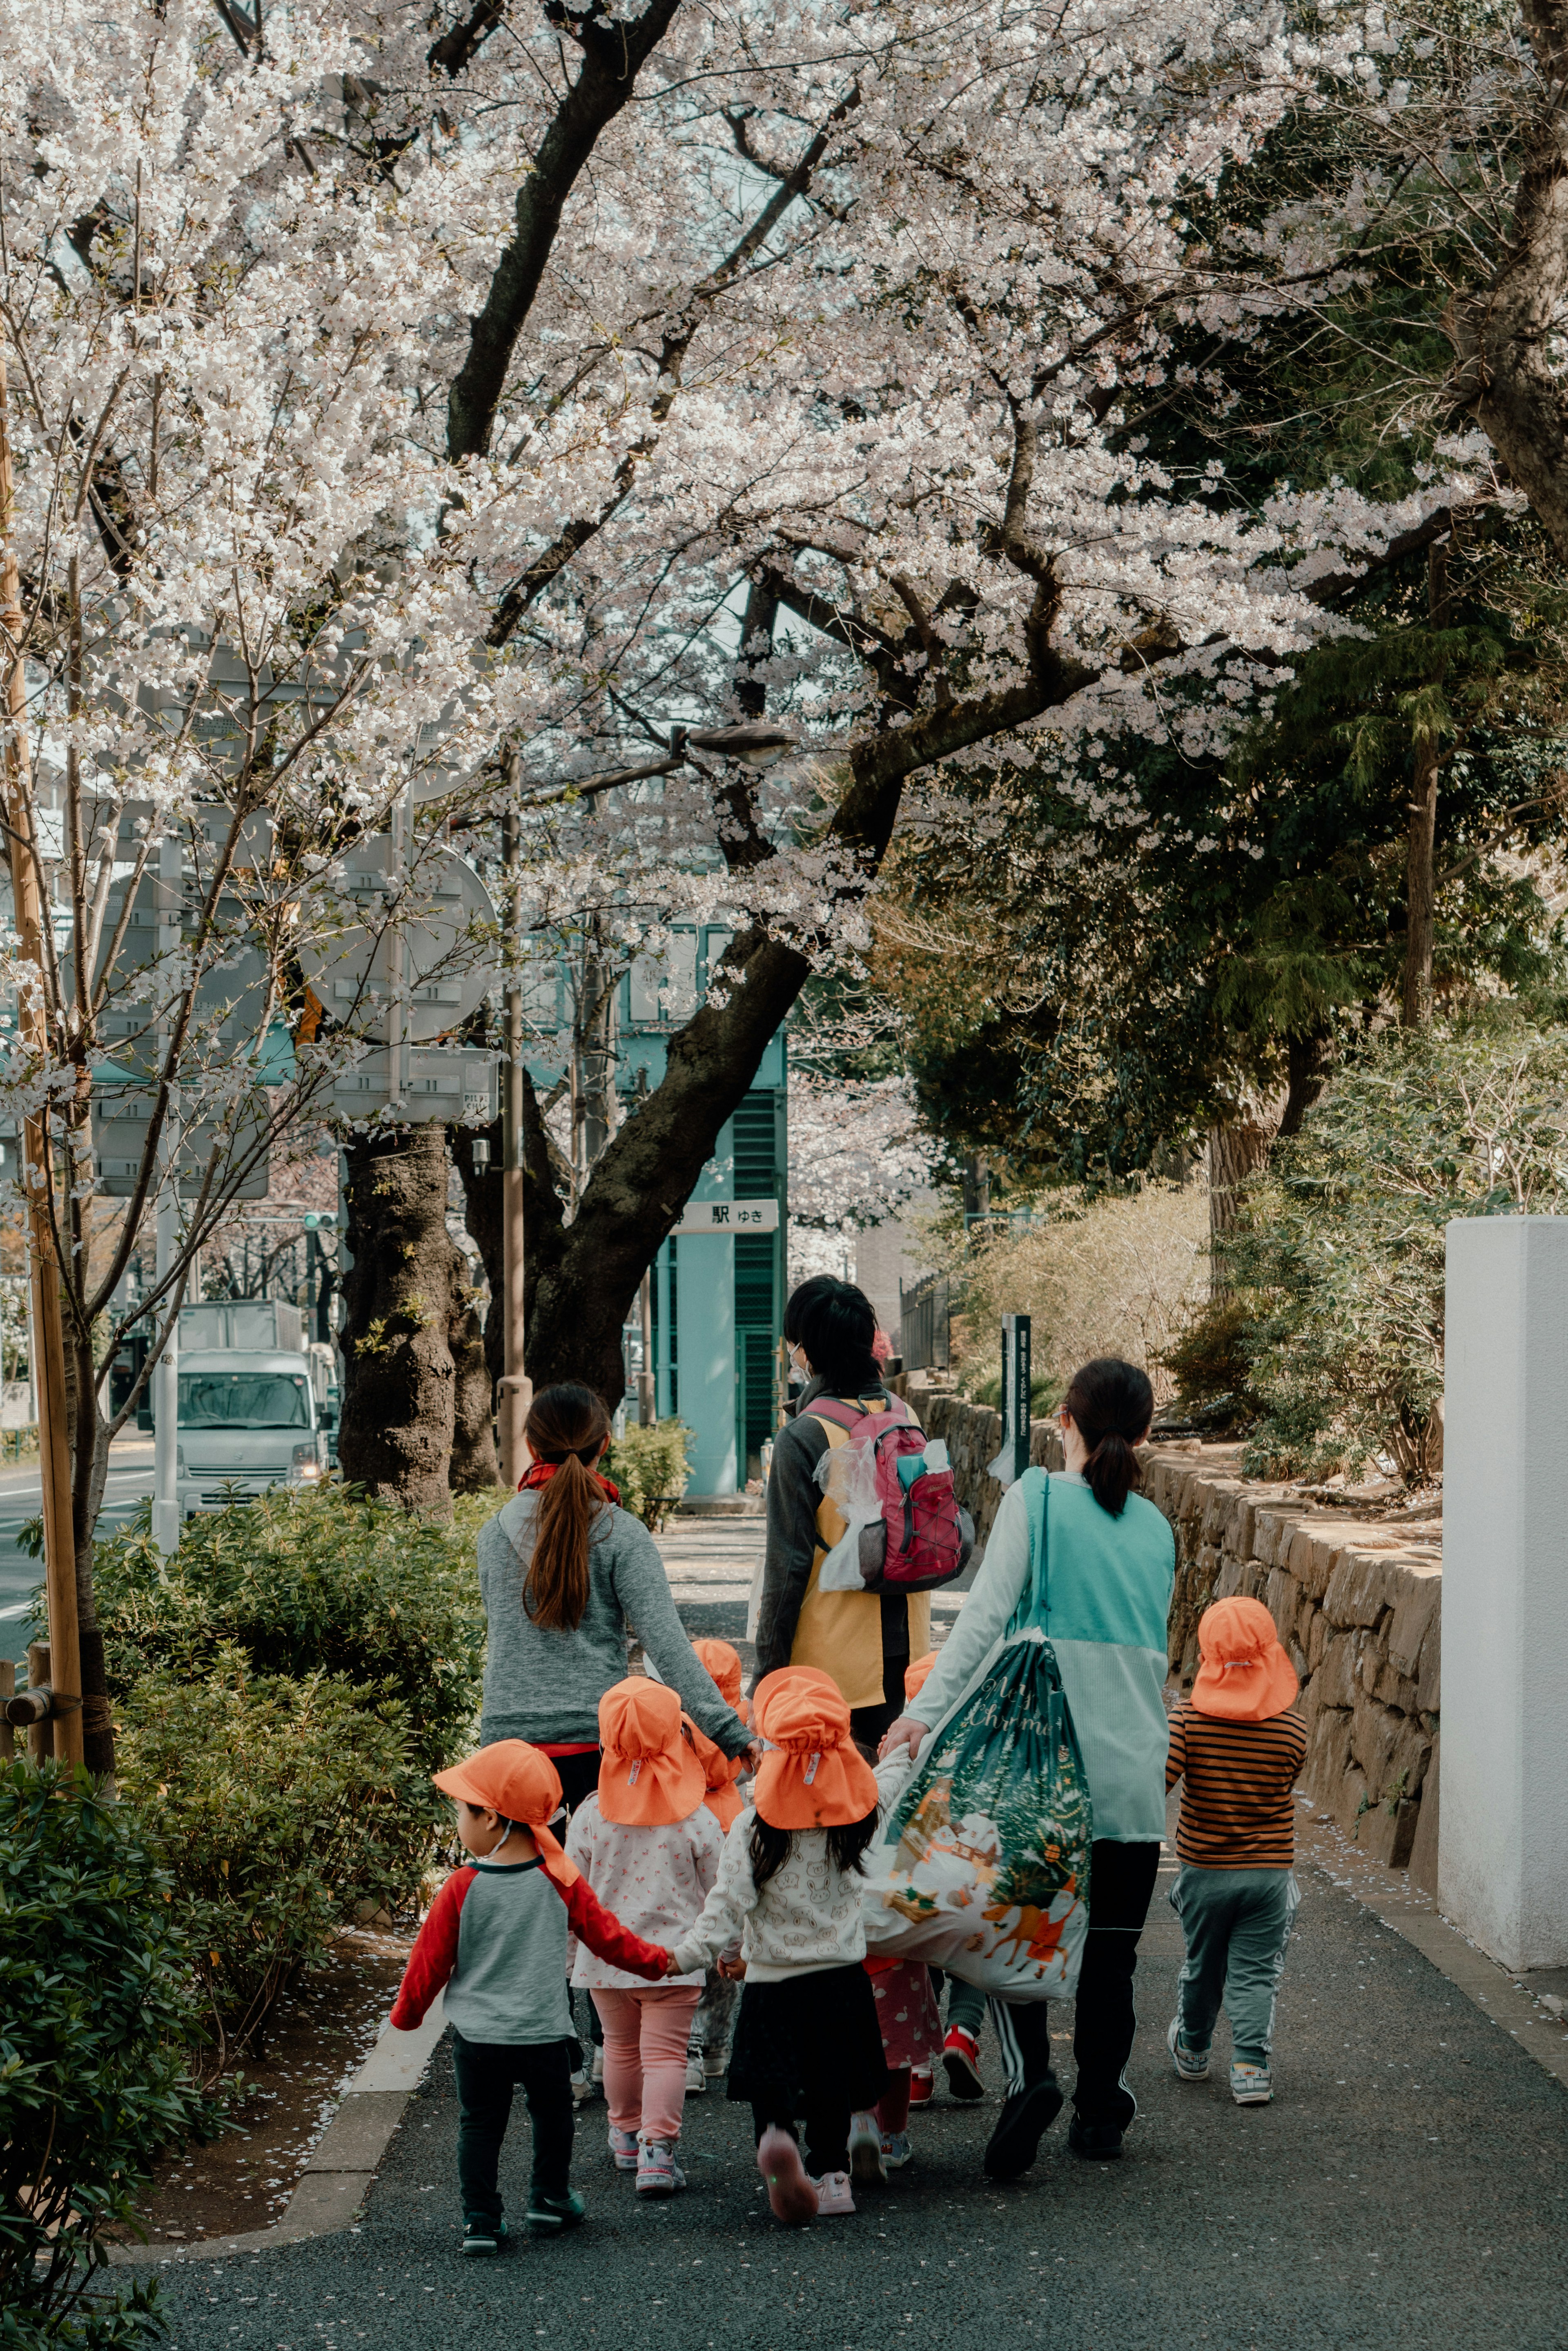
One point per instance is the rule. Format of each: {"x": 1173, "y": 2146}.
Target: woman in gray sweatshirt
{"x": 566, "y": 1574}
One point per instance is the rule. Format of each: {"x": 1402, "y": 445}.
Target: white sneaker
{"x": 622, "y": 2150}
{"x": 1250, "y": 2085}
{"x": 1191, "y": 2066}
{"x": 865, "y": 2152}
{"x": 581, "y": 2088}
{"x": 833, "y": 2195}
{"x": 598, "y": 2075}
{"x": 696, "y": 2080}
{"x": 715, "y": 2063}
{"x": 658, "y": 2173}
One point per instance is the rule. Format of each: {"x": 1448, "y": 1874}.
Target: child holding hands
{"x": 788, "y": 1888}
{"x": 650, "y": 1847}
{"x": 495, "y": 1940}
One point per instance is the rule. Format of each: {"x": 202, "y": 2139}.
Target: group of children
{"x": 672, "y": 1888}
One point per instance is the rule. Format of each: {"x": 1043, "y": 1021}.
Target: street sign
{"x": 456, "y": 1085}
{"x": 350, "y": 963}
{"x": 119, "y": 1120}
{"x": 728, "y": 1217}
{"x": 1012, "y": 1461}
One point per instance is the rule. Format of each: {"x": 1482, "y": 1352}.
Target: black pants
{"x": 827, "y": 2129}
{"x": 488, "y": 2073}
{"x": 869, "y": 1725}
{"x": 1120, "y": 1887}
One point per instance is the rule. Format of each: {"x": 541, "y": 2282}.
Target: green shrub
{"x": 97, "y": 2022}
{"x": 650, "y": 1469}
{"x": 278, "y": 1806}
{"x": 1209, "y": 1362}
{"x": 326, "y": 1582}
{"x": 1339, "y": 1259}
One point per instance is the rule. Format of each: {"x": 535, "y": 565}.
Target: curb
{"x": 1506, "y": 1999}
{"x": 343, "y": 2162}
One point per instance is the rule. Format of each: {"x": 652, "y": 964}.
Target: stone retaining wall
{"x": 1355, "y": 1595}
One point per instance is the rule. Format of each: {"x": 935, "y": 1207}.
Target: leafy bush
{"x": 97, "y": 2020}
{"x": 650, "y": 1468}
{"x": 278, "y": 1806}
{"x": 1339, "y": 1255}
{"x": 326, "y": 1582}
{"x": 1208, "y": 1360}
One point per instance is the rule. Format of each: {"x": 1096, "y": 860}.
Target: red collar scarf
{"x": 543, "y": 1471}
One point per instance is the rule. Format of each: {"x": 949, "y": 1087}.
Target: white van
{"x": 248, "y": 1421}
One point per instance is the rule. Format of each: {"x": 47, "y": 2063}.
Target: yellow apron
{"x": 841, "y": 1631}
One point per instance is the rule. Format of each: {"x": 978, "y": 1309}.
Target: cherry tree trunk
{"x": 399, "y": 1402}
{"x": 1236, "y": 1149}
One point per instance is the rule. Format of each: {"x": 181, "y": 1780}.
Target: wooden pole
{"x": 54, "y": 1446}
{"x": 8, "y": 1689}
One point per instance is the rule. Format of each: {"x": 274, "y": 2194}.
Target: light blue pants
{"x": 1236, "y": 1923}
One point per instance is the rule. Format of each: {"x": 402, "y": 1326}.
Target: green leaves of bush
{"x": 95, "y": 2016}
{"x": 326, "y": 1582}
{"x": 650, "y": 1466}
{"x": 278, "y": 1805}
{"x": 1339, "y": 1259}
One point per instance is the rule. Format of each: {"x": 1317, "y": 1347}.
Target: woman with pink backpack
{"x": 845, "y": 1588}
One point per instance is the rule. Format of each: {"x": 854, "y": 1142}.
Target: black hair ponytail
{"x": 1112, "y": 1403}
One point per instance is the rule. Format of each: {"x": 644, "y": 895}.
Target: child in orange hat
{"x": 496, "y": 1939}
{"x": 1237, "y": 1744}
{"x": 649, "y": 1846}
{"x": 789, "y": 1892}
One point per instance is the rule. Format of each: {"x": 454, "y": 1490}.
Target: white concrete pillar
{"x": 1502, "y": 1855}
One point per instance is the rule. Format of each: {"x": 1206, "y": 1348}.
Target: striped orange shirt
{"x": 1237, "y": 1809}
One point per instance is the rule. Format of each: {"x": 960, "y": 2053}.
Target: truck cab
{"x": 248, "y": 1421}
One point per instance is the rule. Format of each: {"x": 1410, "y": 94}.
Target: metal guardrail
{"x": 923, "y": 1325}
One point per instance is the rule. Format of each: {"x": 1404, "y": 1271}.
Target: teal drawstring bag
{"x": 983, "y": 1865}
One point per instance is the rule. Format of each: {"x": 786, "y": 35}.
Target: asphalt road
{"x": 21, "y": 1498}
{"x": 1410, "y": 2187}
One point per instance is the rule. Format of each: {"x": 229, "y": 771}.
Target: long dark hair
{"x": 1112, "y": 1403}
{"x": 836, "y": 1324}
{"x": 770, "y": 1848}
{"x": 567, "y": 1425}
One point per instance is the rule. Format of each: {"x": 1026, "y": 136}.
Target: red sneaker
{"x": 961, "y": 2064}
{"x": 922, "y": 2088}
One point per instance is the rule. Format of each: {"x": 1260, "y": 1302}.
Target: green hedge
{"x": 278, "y": 1805}
{"x": 650, "y": 1468}
{"x": 325, "y": 1583}
{"x": 97, "y": 2020}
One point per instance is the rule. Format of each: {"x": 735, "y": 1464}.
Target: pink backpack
{"x": 923, "y": 1538}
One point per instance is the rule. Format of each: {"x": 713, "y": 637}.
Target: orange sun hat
{"x": 1245, "y": 1676}
{"x": 722, "y": 1665}
{"x": 917, "y": 1676}
{"x": 648, "y": 1776}
{"x": 813, "y": 1775}
{"x": 513, "y": 1779}
{"x": 721, "y": 1773}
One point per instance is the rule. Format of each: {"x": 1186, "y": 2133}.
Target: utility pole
{"x": 166, "y": 1373}
{"x": 517, "y": 1390}
{"x": 49, "y": 1351}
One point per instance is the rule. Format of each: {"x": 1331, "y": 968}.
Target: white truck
{"x": 256, "y": 1403}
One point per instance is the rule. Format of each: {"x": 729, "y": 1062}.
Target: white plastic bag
{"x": 847, "y": 1475}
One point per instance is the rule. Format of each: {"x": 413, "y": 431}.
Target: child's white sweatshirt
{"x": 806, "y": 1918}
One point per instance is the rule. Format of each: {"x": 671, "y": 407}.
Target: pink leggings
{"x": 645, "y": 2036}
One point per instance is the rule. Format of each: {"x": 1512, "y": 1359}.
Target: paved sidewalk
{"x": 1409, "y": 2188}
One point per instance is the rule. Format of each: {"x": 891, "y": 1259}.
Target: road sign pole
{"x": 49, "y": 1367}
{"x": 516, "y": 1388}
{"x": 1012, "y": 1459}
{"x": 166, "y": 1373}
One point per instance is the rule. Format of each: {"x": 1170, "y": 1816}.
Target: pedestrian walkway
{"x": 1408, "y": 2188}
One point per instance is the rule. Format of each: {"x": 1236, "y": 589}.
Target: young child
{"x": 496, "y": 1939}
{"x": 923, "y": 2076}
{"x": 1237, "y": 1746}
{"x": 649, "y": 1848}
{"x": 788, "y": 1887}
{"x": 910, "y": 2029}
{"x": 707, "y": 2054}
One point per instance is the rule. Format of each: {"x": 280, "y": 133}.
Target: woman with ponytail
{"x": 1110, "y": 1561}
{"x": 565, "y": 1574}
